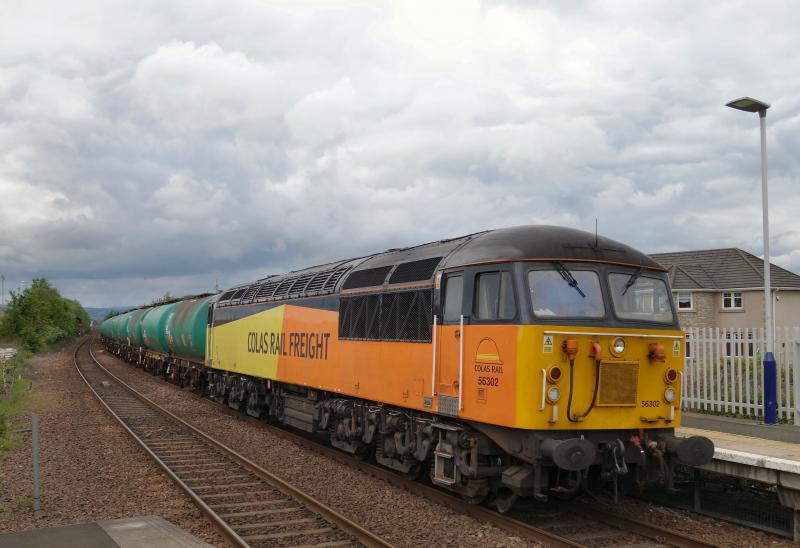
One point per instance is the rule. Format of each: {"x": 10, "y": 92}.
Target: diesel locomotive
{"x": 529, "y": 361}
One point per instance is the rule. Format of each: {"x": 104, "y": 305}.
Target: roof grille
{"x": 367, "y": 278}
{"x": 267, "y": 290}
{"x": 316, "y": 283}
{"x": 330, "y": 283}
{"x": 238, "y": 295}
{"x": 250, "y": 293}
{"x": 283, "y": 289}
{"x": 305, "y": 284}
{"x": 415, "y": 271}
{"x": 300, "y": 283}
{"x": 227, "y": 295}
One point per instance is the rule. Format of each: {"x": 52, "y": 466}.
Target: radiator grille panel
{"x": 618, "y": 383}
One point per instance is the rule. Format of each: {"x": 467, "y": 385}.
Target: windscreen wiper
{"x": 631, "y": 281}
{"x": 568, "y": 277}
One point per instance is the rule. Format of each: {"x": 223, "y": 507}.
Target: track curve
{"x": 249, "y": 506}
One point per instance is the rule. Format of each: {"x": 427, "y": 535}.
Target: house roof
{"x": 729, "y": 268}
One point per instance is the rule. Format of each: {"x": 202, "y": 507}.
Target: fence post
{"x": 796, "y": 373}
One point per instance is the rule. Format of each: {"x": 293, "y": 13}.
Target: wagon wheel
{"x": 414, "y": 472}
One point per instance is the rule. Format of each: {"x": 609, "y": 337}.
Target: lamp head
{"x": 748, "y": 104}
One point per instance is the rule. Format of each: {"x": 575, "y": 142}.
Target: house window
{"x": 688, "y": 345}
{"x": 684, "y": 301}
{"x": 732, "y": 300}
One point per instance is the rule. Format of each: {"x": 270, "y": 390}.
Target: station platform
{"x": 750, "y": 450}
{"x": 138, "y": 532}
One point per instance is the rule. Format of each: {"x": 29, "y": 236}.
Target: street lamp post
{"x": 748, "y": 104}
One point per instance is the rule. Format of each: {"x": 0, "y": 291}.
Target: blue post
{"x": 770, "y": 389}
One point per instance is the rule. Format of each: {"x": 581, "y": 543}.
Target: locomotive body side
{"x": 507, "y": 371}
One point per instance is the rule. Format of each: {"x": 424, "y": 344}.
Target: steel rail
{"x": 361, "y": 534}
{"x": 218, "y": 522}
{"x": 653, "y": 532}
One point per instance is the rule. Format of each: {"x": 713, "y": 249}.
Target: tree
{"x": 165, "y": 298}
{"x": 40, "y": 316}
{"x": 110, "y": 314}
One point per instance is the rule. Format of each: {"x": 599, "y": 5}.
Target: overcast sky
{"x": 157, "y": 146}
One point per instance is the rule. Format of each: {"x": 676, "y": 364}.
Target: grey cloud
{"x": 157, "y": 147}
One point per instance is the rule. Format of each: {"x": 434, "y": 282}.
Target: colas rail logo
{"x": 311, "y": 345}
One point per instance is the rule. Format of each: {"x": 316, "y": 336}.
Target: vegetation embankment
{"x": 40, "y": 316}
{"x": 14, "y": 386}
{"x": 34, "y": 319}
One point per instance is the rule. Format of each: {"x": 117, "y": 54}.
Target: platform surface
{"x": 138, "y": 532}
{"x": 747, "y": 442}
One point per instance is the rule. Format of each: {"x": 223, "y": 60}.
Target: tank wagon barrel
{"x": 171, "y": 338}
{"x": 527, "y": 361}
{"x": 186, "y": 328}
{"x": 154, "y": 326}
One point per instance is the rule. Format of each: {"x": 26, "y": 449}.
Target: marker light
{"x": 554, "y": 375}
{"x": 618, "y": 346}
{"x": 669, "y": 394}
{"x": 670, "y": 375}
{"x": 553, "y": 394}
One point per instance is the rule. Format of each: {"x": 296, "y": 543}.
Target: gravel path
{"x": 396, "y": 515}
{"x": 91, "y": 468}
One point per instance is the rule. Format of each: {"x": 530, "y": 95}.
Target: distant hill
{"x": 97, "y": 314}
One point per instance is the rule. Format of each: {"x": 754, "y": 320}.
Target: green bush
{"x": 40, "y": 316}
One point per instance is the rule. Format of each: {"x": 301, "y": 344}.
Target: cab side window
{"x": 453, "y": 294}
{"x": 494, "y": 297}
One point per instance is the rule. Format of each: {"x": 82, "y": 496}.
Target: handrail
{"x": 433, "y": 360}
{"x": 461, "y": 363}
{"x": 544, "y": 389}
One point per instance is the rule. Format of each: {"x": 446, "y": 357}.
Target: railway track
{"x": 569, "y": 524}
{"x": 572, "y": 524}
{"x": 248, "y": 505}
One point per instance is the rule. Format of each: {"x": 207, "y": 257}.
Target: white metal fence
{"x": 723, "y": 371}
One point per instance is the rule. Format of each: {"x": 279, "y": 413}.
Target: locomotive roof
{"x": 544, "y": 242}
{"x": 417, "y": 265}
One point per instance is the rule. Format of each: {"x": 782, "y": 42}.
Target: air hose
{"x": 578, "y": 418}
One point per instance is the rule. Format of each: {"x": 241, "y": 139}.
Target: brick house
{"x": 725, "y": 288}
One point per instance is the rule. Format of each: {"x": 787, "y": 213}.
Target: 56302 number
{"x": 488, "y": 381}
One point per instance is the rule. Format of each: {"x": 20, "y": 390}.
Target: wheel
{"x": 477, "y": 499}
{"x": 414, "y": 472}
{"x": 364, "y": 452}
{"x": 503, "y": 503}
{"x": 565, "y": 495}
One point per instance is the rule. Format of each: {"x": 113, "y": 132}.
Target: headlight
{"x": 669, "y": 394}
{"x": 554, "y": 375}
{"x": 670, "y": 375}
{"x": 553, "y": 394}
{"x": 618, "y": 346}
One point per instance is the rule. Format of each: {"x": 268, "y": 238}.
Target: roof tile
{"x": 721, "y": 269}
